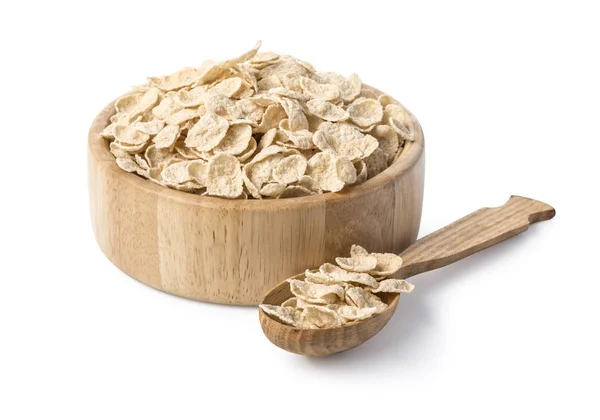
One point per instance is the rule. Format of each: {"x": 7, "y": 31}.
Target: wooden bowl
{"x": 233, "y": 251}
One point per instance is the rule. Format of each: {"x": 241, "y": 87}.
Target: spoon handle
{"x": 473, "y": 233}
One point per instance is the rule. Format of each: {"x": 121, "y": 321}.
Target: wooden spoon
{"x": 471, "y": 234}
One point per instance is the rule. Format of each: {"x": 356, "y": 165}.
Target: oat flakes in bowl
{"x": 262, "y": 125}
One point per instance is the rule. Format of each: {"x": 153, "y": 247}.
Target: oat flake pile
{"x": 341, "y": 294}
{"x": 261, "y": 125}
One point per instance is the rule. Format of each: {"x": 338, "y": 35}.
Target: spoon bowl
{"x": 323, "y": 341}
{"x": 473, "y": 233}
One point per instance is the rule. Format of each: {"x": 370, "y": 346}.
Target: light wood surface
{"x": 473, "y": 233}
{"x": 233, "y": 251}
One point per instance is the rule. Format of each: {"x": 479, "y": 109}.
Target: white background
{"x": 508, "y": 96}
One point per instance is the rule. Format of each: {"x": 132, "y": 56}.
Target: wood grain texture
{"x": 465, "y": 237}
{"x": 233, "y": 251}
{"x": 473, "y": 233}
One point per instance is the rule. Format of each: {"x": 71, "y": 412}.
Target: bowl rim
{"x": 99, "y": 152}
